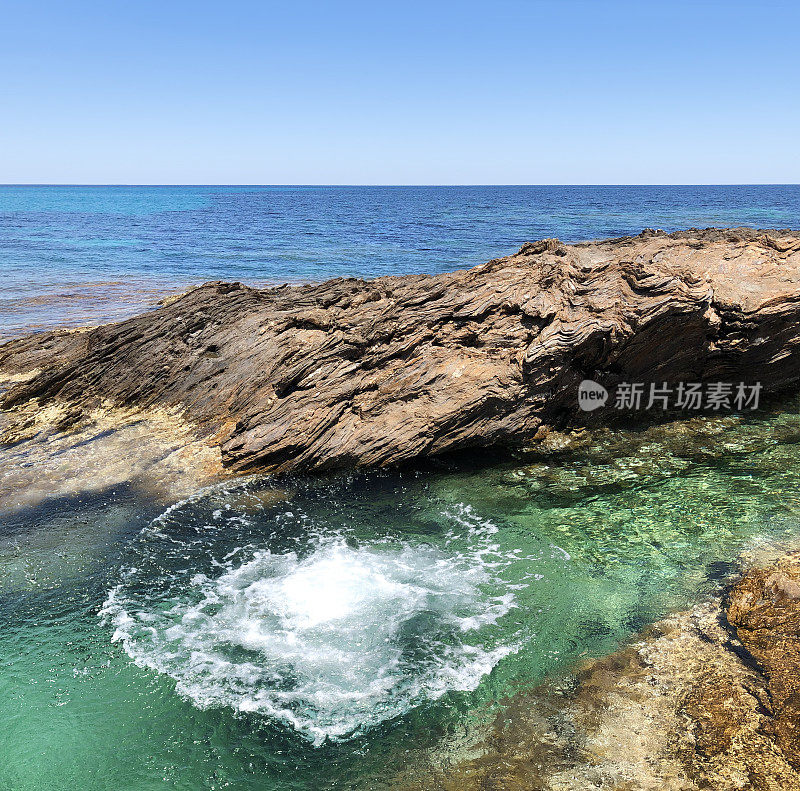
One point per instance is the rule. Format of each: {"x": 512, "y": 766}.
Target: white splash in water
{"x": 330, "y": 643}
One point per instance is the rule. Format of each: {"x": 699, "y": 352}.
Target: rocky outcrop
{"x": 765, "y": 612}
{"x": 352, "y": 372}
{"x": 708, "y": 700}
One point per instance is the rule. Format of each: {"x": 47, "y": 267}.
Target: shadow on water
{"x": 68, "y": 536}
{"x": 80, "y": 507}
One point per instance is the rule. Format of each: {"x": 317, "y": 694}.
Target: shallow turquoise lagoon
{"x": 350, "y": 631}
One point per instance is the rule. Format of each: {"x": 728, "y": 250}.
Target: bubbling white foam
{"x": 330, "y": 642}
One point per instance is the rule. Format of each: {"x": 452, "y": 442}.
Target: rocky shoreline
{"x": 707, "y": 699}
{"x": 371, "y": 373}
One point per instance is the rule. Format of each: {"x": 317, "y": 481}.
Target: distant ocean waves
{"x": 72, "y": 256}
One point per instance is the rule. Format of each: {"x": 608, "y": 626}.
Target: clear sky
{"x": 399, "y": 92}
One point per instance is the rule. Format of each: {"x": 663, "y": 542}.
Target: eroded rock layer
{"x": 352, "y": 372}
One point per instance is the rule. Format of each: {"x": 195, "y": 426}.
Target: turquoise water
{"x": 76, "y": 255}
{"x": 347, "y": 631}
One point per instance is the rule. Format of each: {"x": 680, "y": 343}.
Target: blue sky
{"x": 399, "y": 92}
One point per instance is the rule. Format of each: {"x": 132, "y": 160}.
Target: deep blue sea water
{"x": 74, "y": 255}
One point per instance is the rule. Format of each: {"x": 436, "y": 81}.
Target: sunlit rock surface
{"x": 352, "y": 372}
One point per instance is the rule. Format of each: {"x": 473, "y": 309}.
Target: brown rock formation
{"x": 707, "y": 701}
{"x": 765, "y": 611}
{"x": 350, "y": 372}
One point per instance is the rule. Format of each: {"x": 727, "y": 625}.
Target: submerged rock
{"x": 707, "y": 700}
{"x": 48, "y": 457}
{"x": 352, "y": 372}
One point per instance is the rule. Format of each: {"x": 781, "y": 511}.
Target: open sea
{"x": 82, "y": 255}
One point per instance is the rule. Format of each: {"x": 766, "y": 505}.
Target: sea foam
{"x": 330, "y": 638}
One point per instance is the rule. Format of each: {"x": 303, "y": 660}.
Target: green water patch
{"x": 336, "y": 632}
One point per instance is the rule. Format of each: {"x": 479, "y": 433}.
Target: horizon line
{"x": 394, "y": 186}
